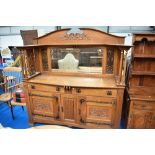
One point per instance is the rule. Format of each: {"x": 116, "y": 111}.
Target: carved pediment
{"x": 82, "y": 36}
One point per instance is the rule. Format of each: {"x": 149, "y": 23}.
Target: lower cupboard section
{"x": 73, "y": 110}
{"x": 141, "y": 115}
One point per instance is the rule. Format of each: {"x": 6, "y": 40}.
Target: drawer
{"x": 143, "y": 105}
{"x": 43, "y": 94}
{"x": 98, "y": 100}
{"x": 45, "y": 88}
{"x": 97, "y": 92}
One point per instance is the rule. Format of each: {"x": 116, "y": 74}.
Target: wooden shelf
{"x": 144, "y": 56}
{"x": 142, "y": 73}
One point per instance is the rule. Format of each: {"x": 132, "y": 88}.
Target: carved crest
{"x": 75, "y": 34}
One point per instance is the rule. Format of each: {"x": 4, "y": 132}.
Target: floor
{"x": 21, "y": 117}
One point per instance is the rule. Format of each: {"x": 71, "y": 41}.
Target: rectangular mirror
{"x": 86, "y": 60}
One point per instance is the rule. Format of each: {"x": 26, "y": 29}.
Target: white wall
{"x": 6, "y": 41}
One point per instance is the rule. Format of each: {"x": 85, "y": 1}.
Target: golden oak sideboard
{"x": 75, "y": 78}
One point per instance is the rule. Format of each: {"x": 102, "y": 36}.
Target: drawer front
{"x": 97, "y": 92}
{"x": 97, "y": 110}
{"x": 45, "y": 88}
{"x": 143, "y": 105}
{"x": 42, "y": 94}
{"x": 72, "y": 90}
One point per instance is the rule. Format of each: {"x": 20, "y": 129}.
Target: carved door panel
{"x": 68, "y": 107}
{"x": 140, "y": 119}
{"x": 45, "y": 105}
{"x": 97, "y": 110}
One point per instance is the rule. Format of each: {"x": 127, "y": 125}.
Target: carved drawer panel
{"x": 97, "y": 92}
{"x": 97, "y": 110}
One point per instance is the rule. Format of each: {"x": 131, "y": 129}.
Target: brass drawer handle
{"x": 68, "y": 88}
{"x": 57, "y": 88}
{"x": 109, "y": 92}
{"x": 78, "y": 90}
{"x": 33, "y": 87}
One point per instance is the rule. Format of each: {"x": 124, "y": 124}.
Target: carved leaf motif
{"x": 42, "y": 106}
{"x": 98, "y": 112}
{"x": 75, "y": 36}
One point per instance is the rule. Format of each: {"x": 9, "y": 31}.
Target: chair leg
{"x": 23, "y": 108}
{"x": 12, "y": 112}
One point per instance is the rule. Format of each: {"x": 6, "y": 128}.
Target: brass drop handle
{"x": 57, "y": 88}
{"x": 78, "y": 90}
{"x": 68, "y": 88}
{"x": 109, "y": 92}
{"x": 33, "y": 87}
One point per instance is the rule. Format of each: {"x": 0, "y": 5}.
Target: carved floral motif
{"x": 75, "y": 36}
{"x": 98, "y": 112}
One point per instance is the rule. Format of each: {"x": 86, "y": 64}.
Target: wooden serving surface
{"x": 74, "y": 81}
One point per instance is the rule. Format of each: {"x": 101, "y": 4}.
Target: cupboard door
{"x": 139, "y": 119}
{"x": 68, "y": 107}
{"x": 45, "y": 106}
{"x": 97, "y": 110}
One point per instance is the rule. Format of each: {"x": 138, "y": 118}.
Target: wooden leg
{"x": 12, "y": 112}
{"x": 23, "y": 108}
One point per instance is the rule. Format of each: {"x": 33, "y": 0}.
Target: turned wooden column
{"x": 120, "y": 67}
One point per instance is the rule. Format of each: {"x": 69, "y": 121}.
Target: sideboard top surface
{"x": 74, "y": 81}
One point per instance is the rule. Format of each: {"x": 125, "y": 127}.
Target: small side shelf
{"x": 144, "y": 56}
{"x": 142, "y": 73}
